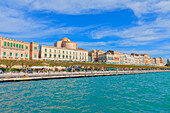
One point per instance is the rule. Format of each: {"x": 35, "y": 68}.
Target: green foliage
{"x": 168, "y": 61}
{"x": 28, "y": 63}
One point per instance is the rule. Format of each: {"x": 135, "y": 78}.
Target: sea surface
{"x": 149, "y": 93}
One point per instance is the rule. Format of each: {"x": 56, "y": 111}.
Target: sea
{"x": 137, "y": 93}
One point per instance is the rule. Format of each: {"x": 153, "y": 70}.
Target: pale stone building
{"x": 65, "y": 52}
{"x": 65, "y": 43}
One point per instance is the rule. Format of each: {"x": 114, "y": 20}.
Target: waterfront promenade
{"x": 12, "y": 77}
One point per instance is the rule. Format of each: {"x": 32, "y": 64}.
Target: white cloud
{"x": 163, "y": 6}
{"x": 144, "y": 32}
{"x": 139, "y": 7}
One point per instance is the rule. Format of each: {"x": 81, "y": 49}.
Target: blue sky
{"x": 140, "y": 26}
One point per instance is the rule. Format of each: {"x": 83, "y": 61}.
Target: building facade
{"x": 94, "y": 54}
{"x": 17, "y": 50}
{"x": 65, "y": 52}
{"x": 115, "y": 57}
{"x": 110, "y": 57}
{"x": 65, "y": 43}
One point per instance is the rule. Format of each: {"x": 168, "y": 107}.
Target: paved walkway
{"x": 56, "y": 75}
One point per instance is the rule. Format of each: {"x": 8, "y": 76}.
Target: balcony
{"x": 12, "y": 48}
{"x": 4, "y": 56}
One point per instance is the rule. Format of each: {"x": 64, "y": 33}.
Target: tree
{"x": 168, "y": 61}
{"x": 9, "y": 64}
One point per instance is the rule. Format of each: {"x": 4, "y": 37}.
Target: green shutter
{"x": 21, "y": 55}
{"x": 11, "y": 44}
{"x": 35, "y": 56}
{"x": 8, "y": 44}
{"x": 22, "y": 47}
{"x": 59, "y": 56}
{"x": 10, "y": 54}
{"x": 16, "y": 54}
{"x": 35, "y": 48}
{"x": 4, "y": 43}
{"x": 26, "y": 47}
{"x": 63, "y": 56}
{"x": 17, "y": 45}
{"x": 4, "y": 53}
{"x": 26, "y": 55}
{"x": 14, "y": 44}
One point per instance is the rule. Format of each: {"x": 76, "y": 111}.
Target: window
{"x": 26, "y": 55}
{"x": 14, "y": 44}
{"x": 21, "y": 55}
{"x": 45, "y": 55}
{"x": 16, "y": 54}
{"x": 59, "y": 51}
{"x": 35, "y": 48}
{"x": 22, "y": 46}
{"x": 10, "y": 44}
{"x": 66, "y": 56}
{"x": 26, "y": 47}
{"x": 17, "y": 45}
{"x": 70, "y": 56}
{"x": 45, "y": 50}
{"x": 70, "y": 52}
{"x": 55, "y": 56}
{"x": 50, "y": 55}
{"x": 4, "y": 43}
{"x": 58, "y": 56}
{"x": 63, "y": 51}
{"x": 67, "y": 52}
{"x": 63, "y": 56}
{"x": 35, "y": 56}
{"x": 10, "y": 54}
{"x": 50, "y": 50}
{"x": 73, "y": 52}
{"x": 54, "y": 51}
{"x": 4, "y": 53}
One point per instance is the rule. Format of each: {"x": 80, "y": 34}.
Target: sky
{"x": 128, "y": 26}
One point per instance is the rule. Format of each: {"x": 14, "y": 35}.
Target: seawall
{"x": 13, "y": 77}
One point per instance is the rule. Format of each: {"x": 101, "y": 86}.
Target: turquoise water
{"x": 126, "y": 93}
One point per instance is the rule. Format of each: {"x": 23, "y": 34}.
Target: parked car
{"x": 29, "y": 71}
